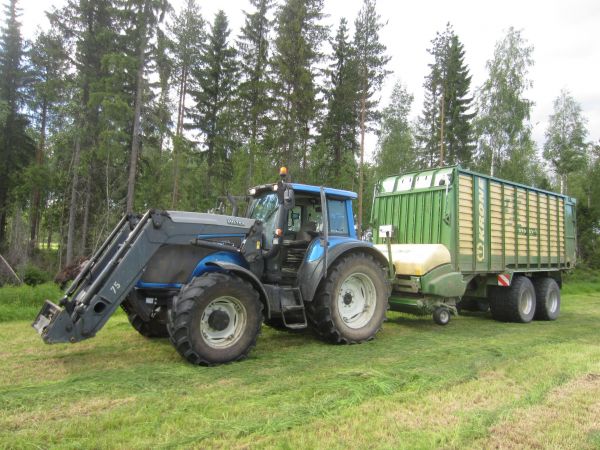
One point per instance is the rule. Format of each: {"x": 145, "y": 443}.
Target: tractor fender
{"x": 310, "y": 274}
{"x": 248, "y": 276}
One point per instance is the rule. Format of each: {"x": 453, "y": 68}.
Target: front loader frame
{"x": 110, "y": 275}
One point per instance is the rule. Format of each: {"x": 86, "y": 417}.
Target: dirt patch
{"x": 83, "y": 408}
{"x": 570, "y": 414}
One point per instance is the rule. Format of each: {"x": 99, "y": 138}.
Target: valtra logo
{"x": 232, "y": 221}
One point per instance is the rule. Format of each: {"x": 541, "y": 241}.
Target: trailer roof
{"x": 408, "y": 180}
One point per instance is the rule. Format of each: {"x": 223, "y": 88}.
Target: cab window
{"x": 338, "y": 217}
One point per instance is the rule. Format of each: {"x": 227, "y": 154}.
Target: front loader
{"x": 208, "y": 281}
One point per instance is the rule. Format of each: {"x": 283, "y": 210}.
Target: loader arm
{"x": 114, "y": 270}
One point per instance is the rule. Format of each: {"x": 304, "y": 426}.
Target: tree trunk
{"x": 441, "y": 164}
{"x": 135, "y": 142}
{"x": 36, "y": 200}
{"x": 360, "y": 166}
{"x": 3, "y": 215}
{"x": 178, "y": 133}
{"x": 86, "y": 214}
{"x": 73, "y": 203}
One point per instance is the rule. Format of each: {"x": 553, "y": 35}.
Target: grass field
{"x": 473, "y": 384}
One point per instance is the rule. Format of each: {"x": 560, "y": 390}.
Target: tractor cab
{"x": 295, "y": 218}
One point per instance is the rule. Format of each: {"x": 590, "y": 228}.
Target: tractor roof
{"x": 306, "y": 188}
{"x": 329, "y": 191}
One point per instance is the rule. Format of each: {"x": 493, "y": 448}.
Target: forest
{"x": 124, "y": 105}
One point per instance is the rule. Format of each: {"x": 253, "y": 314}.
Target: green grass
{"x": 473, "y": 384}
{"x": 24, "y": 302}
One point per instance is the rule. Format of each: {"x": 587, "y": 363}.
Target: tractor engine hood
{"x": 231, "y": 223}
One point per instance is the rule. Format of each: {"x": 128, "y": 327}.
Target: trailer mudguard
{"x": 248, "y": 276}
{"x": 311, "y": 271}
{"x": 443, "y": 281}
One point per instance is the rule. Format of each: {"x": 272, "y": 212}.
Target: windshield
{"x": 265, "y": 209}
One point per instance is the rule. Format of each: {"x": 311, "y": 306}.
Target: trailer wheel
{"x": 351, "y": 303}
{"x": 441, "y": 315}
{"x": 216, "y": 319}
{"x": 149, "y": 324}
{"x": 514, "y": 304}
{"x": 547, "y": 294}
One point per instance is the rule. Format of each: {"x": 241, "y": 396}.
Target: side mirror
{"x": 288, "y": 198}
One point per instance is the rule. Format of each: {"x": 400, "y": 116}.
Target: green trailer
{"x": 459, "y": 240}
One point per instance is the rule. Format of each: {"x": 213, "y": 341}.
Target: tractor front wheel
{"x": 215, "y": 319}
{"x": 351, "y": 304}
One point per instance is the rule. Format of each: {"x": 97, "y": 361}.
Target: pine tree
{"x": 445, "y": 129}
{"x": 297, "y": 51}
{"x": 371, "y": 62}
{"x": 216, "y": 78}
{"x": 16, "y": 147}
{"x": 187, "y": 37}
{"x": 335, "y": 156}
{"x": 565, "y": 146}
{"x": 256, "y": 83}
{"x": 396, "y": 147}
{"x": 505, "y": 147}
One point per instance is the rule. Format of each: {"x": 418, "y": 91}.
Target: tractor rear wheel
{"x": 351, "y": 303}
{"x": 147, "y": 321}
{"x": 215, "y": 319}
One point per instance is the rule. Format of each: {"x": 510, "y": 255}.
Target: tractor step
{"x": 293, "y": 313}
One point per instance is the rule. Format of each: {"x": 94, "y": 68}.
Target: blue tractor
{"x": 209, "y": 281}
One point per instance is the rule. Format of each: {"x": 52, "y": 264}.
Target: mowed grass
{"x": 475, "y": 383}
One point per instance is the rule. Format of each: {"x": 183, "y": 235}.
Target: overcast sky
{"x": 565, "y": 36}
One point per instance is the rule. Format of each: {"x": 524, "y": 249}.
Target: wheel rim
{"x": 444, "y": 316}
{"x": 356, "y": 300}
{"x": 526, "y": 302}
{"x": 223, "y": 322}
{"x": 553, "y": 301}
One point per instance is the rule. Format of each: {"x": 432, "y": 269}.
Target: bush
{"x": 33, "y": 276}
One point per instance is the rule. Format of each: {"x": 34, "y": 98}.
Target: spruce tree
{"x": 187, "y": 36}
{"x": 338, "y": 146}
{"x": 48, "y": 65}
{"x": 145, "y": 16}
{"x": 297, "y": 52}
{"x": 216, "y": 78}
{"x": 101, "y": 107}
{"x": 256, "y": 83}
{"x": 445, "y": 128}
{"x": 371, "y": 63}
{"x": 16, "y": 147}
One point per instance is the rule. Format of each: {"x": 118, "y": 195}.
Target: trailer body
{"x": 471, "y": 230}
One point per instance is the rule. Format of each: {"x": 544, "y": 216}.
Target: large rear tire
{"x": 547, "y": 294}
{"x": 350, "y": 305}
{"x": 147, "y": 321}
{"x": 215, "y": 319}
{"x": 514, "y": 304}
